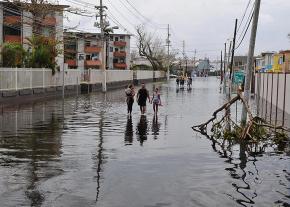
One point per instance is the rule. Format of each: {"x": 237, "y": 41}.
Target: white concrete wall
{"x": 144, "y": 74}
{"x": 119, "y": 75}
{"x": 160, "y": 74}
{"x": 96, "y": 76}
{"x": 26, "y": 78}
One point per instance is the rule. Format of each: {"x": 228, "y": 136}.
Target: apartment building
{"x": 17, "y": 24}
{"x": 84, "y": 51}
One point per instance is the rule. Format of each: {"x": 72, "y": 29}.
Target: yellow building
{"x": 277, "y": 63}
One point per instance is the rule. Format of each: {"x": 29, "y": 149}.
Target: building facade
{"x": 273, "y": 62}
{"x": 84, "y": 51}
{"x": 17, "y": 24}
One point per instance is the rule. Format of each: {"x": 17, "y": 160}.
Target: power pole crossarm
{"x": 250, "y": 61}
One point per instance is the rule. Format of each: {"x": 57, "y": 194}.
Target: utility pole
{"x": 222, "y": 76}
{"x": 225, "y": 63}
{"x": 183, "y": 53}
{"x": 233, "y": 50}
{"x": 102, "y": 26}
{"x": 250, "y": 61}
{"x": 168, "y": 51}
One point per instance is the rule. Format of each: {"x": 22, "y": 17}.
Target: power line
{"x": 247, "y": 28}
{"x": 245, "y": 12}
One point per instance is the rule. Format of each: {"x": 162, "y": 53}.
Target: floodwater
{"x": 85, "y": 151}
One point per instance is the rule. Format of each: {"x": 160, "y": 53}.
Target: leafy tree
{"x": 43, "y": 52}
{"x": 13, "y": 55}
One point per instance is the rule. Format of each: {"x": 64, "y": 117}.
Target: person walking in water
{"x": 156, "y": 101}
{"x": 142, "y": 97}
{"x": 130, "y": 93}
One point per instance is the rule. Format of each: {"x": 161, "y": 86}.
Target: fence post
{"x": 271, "y": 107}
{"x": 284, "y": 101}
{"x": 267, "y": 90}
{"x": 16, "y": 79}
{"x": 277, "y": 98}
{"x": 31, "y": 78}
{"x": 263, "y": 91}
{"x": 43, "y": 81}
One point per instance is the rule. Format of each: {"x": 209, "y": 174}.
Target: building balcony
{"x": 12, "y": 38}
{"x": 93, "y": 49}
{"x": 120, "y": 43}
{"x": 93, "y": 63}
{"x": 12, "y": 20}
{"x": 70, "y": 51}
{"x": 120, "y": 65}
{"x": 49, "y": 21}
{"x": 120, "y": 54}
{"x": 71, "y": 62}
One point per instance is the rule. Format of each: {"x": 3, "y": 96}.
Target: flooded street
{"x": 86, "y": 151}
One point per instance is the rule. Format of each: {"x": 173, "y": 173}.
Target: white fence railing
{"x": 29, "y": 78}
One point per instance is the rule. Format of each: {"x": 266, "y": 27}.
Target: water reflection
{"x": 244, "y": 170}
{"x": 31, "y": 151}
{"x": 129, "y": 132}
{"x": 142, "y": 128}
{"x": 155, "y": 127}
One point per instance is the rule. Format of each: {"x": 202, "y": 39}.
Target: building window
{"x": 116, "y": 39}
{"x": 81, "y": 57}
{"x": 280, "y": 61}
{"x": 122, "y": 37}
{"x": 116, "y": 49}
{"x": 95, "y": 56}
{"x": 87, "y": 43}
{"x": 111, "y": 38}
{"x": 88, "y": 57}
{"x": 115, "y": 60}
{"x": 111, "y": 49}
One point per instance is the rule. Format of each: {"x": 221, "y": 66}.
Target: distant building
{"x": 203, "y": 67}
{"x": 240, "y": 63}
{"x": 140, "y": 63}
{"x": 16, "y": 25}
{"x": 84, "y": 51}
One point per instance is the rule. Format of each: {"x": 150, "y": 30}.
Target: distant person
{"x": 130, "y": 93}
{"x": 156, "y": 101}
{"x": 142, "y": 97}
{"x": 182, "y": 82}
{"x": 189, "y": 82}
{"x": 177, "y": 81}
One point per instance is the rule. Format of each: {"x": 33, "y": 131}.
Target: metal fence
{"x": 272, "y": 92}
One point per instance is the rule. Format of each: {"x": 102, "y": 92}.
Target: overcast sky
{"x": 204, "y": 25}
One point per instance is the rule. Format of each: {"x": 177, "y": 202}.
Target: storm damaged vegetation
{"x": 256, "y": 131}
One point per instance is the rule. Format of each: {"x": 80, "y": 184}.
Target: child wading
{"x": 130, "y": 93}
{"x": 156, "y": 101}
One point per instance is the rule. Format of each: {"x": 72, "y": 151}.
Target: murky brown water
{"x": 85, "y": 151}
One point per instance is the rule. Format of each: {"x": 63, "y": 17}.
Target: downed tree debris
{"x": 256, "y": 129}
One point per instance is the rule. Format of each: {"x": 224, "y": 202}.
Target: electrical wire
{"x": 246, "y": 31}
{"x": 245, "y": 12}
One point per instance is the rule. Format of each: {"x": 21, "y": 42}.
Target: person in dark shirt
{"x": 142, "y": 97}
